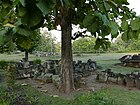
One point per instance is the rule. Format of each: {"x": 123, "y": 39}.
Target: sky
{"x": 136, "y": 5}
{"x": 133, "y": 4}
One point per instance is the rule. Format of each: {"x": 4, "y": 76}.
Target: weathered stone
{"x": 137, "y": 82}
{"x": 102, "y": 77}
{"x": 45, "y": 77}
{"x": 121, "y": 79}
{"x": 56, "y": 80}
{"x": 131, "y": 60}
{"x": 79, "y": 81}
{"x": 129, "y": 82}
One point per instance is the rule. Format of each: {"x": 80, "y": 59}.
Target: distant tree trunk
{"x": 66, "y": 54}
{"x": 26, "y": 55}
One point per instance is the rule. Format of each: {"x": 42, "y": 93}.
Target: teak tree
{"x": 96, "y": 16}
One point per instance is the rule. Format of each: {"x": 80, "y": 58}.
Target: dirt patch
{"x": 92, "y": 85}
{"x": 50, "y": 89}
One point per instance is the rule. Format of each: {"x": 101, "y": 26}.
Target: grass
{"x": 121, "y": 96}
{"x": 114, "y": 95}
{"x": 116, "y": 68}
{"x": 18, "y": 57}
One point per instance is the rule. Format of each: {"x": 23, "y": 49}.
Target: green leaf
{"x": 114, "y": 35}
{"x": 131, "y": 34}
{"x": 114, "y": 27}
{"x": 1, "y": 39}
{"x": 124, "y": 36}
{"x": 105, "y": 30}
{"x": 24, "y": 32}
{"x": 67, "y": 2}
{"x": 21, "y": 10}
{"x": 135, "y": 24}
{"x": 93, "y": 27}
{"x": 107, "y": 6}
{"x": 124, "y": 2}
{"x": 114, "y": 6}
{"x": 18, "y": 22}
{"x": 137, "y": 34}
{"x": 6, "y": 4}
{"x": 124, "y": 25}
{"x": 125, "y": 17}
{"x": 24, "y": 42}
{"x": 101, "y": 6}
{"x": 32, "y": 17}
{"x": 2, "y": 32}
{"x": 88, "y": 20}
{"x": 4, "y": 12}
{"x": 62, "y": 2}
{"x": 105, "y": 20}
{"x": 22, "y": 2}
{"x": 98, "y": 43}
{"x": 46, "y": 6}
{"x": 15, "y": 2}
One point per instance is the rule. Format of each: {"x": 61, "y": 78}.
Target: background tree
{"x": 27, "y": 44}
{"x": 131, "y": 45}
{"x": 48, "y": 43}
{"x": 84, "y": 45}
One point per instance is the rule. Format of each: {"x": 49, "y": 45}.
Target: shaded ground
{"x": 92, "y": 85}
{"x": 50, "y": 89}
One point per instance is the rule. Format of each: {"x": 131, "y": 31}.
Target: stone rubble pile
{"x": 131, "y": 60}
{"x": 129, "y": 80}
{"x": 50, "y": 71}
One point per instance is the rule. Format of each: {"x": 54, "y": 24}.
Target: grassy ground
{"x": 122, "y": 96}
{"x": 83, "y": 57}
{"x": 119, "y": 95}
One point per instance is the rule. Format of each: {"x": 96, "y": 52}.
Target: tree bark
{"x": 26, "y": 55}
{"x": 67, "y": 84}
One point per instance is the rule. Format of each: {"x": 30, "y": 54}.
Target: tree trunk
{"x": 66, "y": 55}
{"x": 26, "y": 55}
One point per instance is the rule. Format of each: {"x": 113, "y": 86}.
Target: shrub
{"x": 92, "y": 99}
{"x": 0, "y": 77}
{"x": 16, "y": 96}
{"x": 3, "y": 64}
{"x": 37, "y": 61}
{"x": 11, "y": 75}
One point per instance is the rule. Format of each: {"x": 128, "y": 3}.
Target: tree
{"x": 48, "y": 43}
{"x": 28, "y": 43}
{"x": 96, "y": 16}
{"x": 123, "y": 46}
{"x": 84, "y": 45}
{"x": 13, "y": 33}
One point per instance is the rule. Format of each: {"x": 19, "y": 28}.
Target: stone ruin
{"x": 130, "y": 60}
{"x": 40, "y": 54}
{"x": 50, "y": 71}
{"x": 129, "y": 80}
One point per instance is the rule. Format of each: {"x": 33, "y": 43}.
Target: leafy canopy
{"x": 100, "y": 17}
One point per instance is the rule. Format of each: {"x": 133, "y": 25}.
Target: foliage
{"x": 37, "y": 61}
{"x": 48, "y": 43}
{"x": 84, "y": 45}
{"x": 121, "y": 96}
{"x": 28, "y": 43}
{"x": 17, "y": 96}
{"x": 3, "y": 64}
{"x": 131, "y": 45}
{"x": 11, "y": 70}
{"x": 98, "y": 17}
{"x": 12, "y": 32}
{"x": 93, "y": 99}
